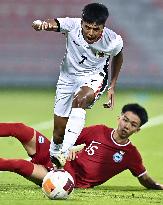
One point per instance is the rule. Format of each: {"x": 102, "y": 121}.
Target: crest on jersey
{"x": 100, "y": 54}
{"x": 117, "y": 157}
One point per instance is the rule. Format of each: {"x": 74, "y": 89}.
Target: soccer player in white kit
{"x": 83, "y": 73}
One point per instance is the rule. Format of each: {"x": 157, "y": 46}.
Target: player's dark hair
{"x": 138, "y": 110}
{"x": 95, "y": 13}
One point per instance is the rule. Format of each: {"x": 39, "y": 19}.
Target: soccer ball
{"x": 57, "y": 184}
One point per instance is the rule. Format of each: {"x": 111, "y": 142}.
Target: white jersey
{"x": 82, "y": 58}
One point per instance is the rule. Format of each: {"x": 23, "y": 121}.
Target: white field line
{"x": 154, "y": 121}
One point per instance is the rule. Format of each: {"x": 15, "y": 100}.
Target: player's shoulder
{"x": 133, "y": 149}
{"x": 111, "y": 35}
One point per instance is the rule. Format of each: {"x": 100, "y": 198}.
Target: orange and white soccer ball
{"x": 58, "y": 184}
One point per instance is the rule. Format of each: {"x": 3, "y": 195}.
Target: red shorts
{"x": 42, "y": 156}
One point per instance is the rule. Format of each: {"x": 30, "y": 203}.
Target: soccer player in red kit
{"x": 107, "y": 153}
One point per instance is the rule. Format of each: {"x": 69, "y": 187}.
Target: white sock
{"x": 74, "y": 127}
{"x": 54, "y": 148}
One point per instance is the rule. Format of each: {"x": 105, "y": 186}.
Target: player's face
{"x": 129, "y": 123}
{"x": 91, "y": 32}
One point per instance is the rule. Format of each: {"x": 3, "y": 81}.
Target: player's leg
{"x": 56, "y": 141}
{"x": 63, "y": 106}
{"x": 59, "y": 128}
{"x": 82, "y": 99}
{"x": 90, "y": 89}
{"x": 62, "y": 109}
{"x": 25, "y": 134}
{"x": 27, "y": 169}
{"x": 38, "y": 174}
{"x": 86, "y": 91}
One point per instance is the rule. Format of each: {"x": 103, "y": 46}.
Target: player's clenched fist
{"x": 48, "y": 25}
{"x": 37, "y": 25}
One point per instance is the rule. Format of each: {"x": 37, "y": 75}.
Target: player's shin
{"x": 74, "y": 127}
{"x": 19, "y": 166}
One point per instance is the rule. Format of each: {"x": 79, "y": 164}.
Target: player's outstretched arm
{"x": 47, "y": 25}
{"x": 149, "y": 183}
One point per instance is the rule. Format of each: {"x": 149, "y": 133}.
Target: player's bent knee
{"x": 39, "y": 172}
{"x": 84, "y": 101}
{"x": 20, "y": 125}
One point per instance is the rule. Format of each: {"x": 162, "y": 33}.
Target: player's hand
{"x": 74, "y": 150}
{"x": 37, "y": 25}
{"x": 110, "y": 103}
{"x": 48, "y": 25}
{"x": 71, "y": 155}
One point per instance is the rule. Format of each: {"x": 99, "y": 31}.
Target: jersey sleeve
{"x": 118, "y": 45}
{"x": 114, "y": 42}
{"x": 136, "y": 164}
{"x": 67, "y": 24}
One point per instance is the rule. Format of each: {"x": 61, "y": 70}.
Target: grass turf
{"x": 35, "y": 106}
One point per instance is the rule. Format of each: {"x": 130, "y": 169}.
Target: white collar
{"x": 121, "y": 145}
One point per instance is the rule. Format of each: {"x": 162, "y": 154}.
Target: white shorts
{"x": 68, "y": 86}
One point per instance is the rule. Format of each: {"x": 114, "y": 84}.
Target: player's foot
{"x": 59, "y": 160}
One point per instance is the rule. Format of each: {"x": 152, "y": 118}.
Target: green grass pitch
{"x": 36, "y": 106}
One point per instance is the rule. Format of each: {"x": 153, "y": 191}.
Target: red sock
{"x": 18, "y": 130}
{"x": 19, "y": 166}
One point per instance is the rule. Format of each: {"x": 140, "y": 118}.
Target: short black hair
{"x": 138, "y": 110}
{"x": 95, "y": 13}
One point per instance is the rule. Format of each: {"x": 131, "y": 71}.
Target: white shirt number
{"x": 92, "y": 147}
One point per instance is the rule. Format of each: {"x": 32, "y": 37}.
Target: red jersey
{"x": 102, "y": 158}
